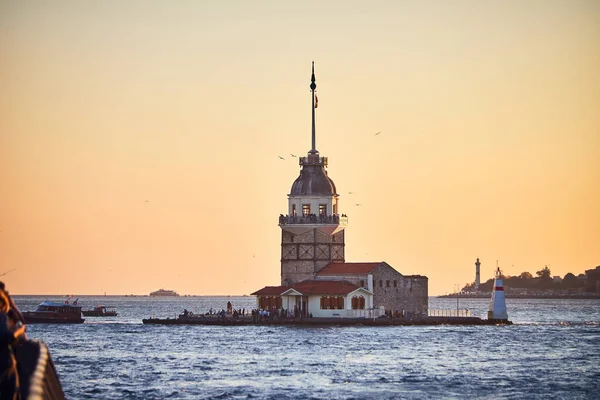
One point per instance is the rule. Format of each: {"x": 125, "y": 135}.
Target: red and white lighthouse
{"x": 497, "y": 310}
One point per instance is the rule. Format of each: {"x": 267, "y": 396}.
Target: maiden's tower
{"x": 315, "y": 277}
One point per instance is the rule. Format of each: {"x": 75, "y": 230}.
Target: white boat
{"x": 165, "y": 293}
{"x": 55, "y": 313}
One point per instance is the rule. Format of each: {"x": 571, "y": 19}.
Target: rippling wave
{"x": 552, "y": 351}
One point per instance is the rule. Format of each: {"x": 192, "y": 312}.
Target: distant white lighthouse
{"x": 477, "y": 281}
{"x": 497, "y": 311}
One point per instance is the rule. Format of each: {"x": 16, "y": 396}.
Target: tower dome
{"x": 313, "y": 179}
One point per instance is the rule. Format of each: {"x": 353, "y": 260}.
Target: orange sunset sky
{"x": 140, "y": 140}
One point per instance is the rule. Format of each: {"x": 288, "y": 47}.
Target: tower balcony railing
{"x": 335, "y": 219}
{"x": 312, "y": 159}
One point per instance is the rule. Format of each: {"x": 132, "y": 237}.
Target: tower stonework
{"x": 307, "y": 250}
{"x": 312, "y": 232}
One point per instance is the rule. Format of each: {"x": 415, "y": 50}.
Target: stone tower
{"x": 312, "y": 232}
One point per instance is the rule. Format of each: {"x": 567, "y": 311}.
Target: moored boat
{"x": 55, "y": 313}
{"x": 99, "y": 311}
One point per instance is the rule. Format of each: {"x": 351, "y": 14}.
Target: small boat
{"x": 53, "y": 312}
{"x": 99, "y": 311}
{"x": 164, "y": 292}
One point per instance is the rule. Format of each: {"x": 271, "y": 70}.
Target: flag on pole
{"x": 316, "y": 101}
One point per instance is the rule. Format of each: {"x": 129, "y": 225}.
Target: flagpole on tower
{"x": 313, "y": 86}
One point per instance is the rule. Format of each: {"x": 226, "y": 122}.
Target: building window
{"x": 335, "y": 208}
{"x": 323, "y": 210}
{"x": 305, "y": 210}
{"x": 362, "y": 283}
{"x": 380, "y": 283}
{"x": 269, "y": 302}
{"x": 293, "y": 210}
{"x": 387, "y": 283}
{"x": 324, "y": 303}
{"x": 358, "y": 302}
{"x": 332, "y": 303}
{"x": 395, "y": 283}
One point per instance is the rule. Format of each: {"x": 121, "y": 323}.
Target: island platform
{"x": 247, "y": 321}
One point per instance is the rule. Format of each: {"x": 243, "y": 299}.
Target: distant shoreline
{"x": 523, "y": 296}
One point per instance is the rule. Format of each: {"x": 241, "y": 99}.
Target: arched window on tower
{"x": 323, "y": 210}
{"x": 305, "y": 210}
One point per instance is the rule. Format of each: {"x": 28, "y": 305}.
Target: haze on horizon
{"x": 140, "y": 141}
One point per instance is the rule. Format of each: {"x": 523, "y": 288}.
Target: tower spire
{"x": 313, "y": 86}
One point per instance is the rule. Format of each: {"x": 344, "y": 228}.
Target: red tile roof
{"x": 310, "y": 287}
{"x": 348, "y": 268}
{"x": 270, "y": 291}
{"x": 325, "y": 287}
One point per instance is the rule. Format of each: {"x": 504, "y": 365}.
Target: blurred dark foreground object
{"x": 26, "y": 369}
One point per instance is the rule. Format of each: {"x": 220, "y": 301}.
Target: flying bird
{"x": 281, "y": 158}
{"x": 293, "y": 155}
{"x": 357, "y": 204}
{"x": 377, "y": 133}
{"x": 349, "y": 192}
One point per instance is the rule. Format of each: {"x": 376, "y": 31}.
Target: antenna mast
{"x": 10, "y": 270}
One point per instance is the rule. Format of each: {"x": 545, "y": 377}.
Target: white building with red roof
{"x": 315, "y": 277}
{"x": 321, "y": 299}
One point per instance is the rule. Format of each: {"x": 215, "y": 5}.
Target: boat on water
{"x": 99, "y": 311}
{"x": 165, "y": 293}
{"x": 54, "y": 312}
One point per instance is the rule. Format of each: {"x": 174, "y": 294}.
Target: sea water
{"x": 552, "y": 351}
